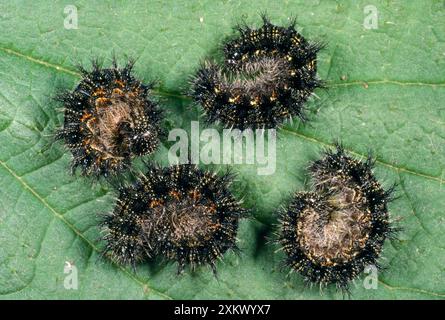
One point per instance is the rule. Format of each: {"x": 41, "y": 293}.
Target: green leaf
{"x": 385, "y": 92}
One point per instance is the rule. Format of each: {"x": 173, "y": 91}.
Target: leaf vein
{"x": 71, "y": 226}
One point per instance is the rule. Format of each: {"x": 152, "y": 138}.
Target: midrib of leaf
{"x": 58, "y": 215}
{"x": 172, "y": 94}
{"x": 299, "y": 134}
{"x": 387, "y": 81}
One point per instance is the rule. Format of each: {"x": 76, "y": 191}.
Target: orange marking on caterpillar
{"x": 175, "y": 194}
{"x": 156, "y": 203}
{"x": 98, "y": 92}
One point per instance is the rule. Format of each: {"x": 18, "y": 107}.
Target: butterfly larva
{"x": 181, "y": 213}
{"x": 109, "y": 119}
{"x": 332, "y": 233}
{"x": 267, "y": 76}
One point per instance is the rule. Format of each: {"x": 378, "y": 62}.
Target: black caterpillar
{"x": 331, "y": 234}
{"x": 267, "y": 76}
{"x": 109, "y": 119}
{"x": 180, "y": 212}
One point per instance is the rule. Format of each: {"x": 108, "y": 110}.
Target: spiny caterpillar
{"x": 267, "y": 76}
{"x": 109, "y": 119}
{"x": 332, "y": 233}
{"x": 180, "y": 212}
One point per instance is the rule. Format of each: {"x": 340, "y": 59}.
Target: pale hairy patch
{"x": 184, "y": 221}
{"x": 107, "y": 133}
{"x": 261, "y": 76}
{"x": 337, "y": 233}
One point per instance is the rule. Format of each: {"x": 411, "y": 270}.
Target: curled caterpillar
{"x": 180, "y": 212}
{"x": 332, "y": 233}
{"x": 267, "y": 76}
{"x": 109, "y": 119}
